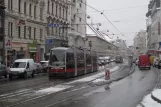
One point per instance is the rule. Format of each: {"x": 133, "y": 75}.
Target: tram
{"x": 71, "y": 62}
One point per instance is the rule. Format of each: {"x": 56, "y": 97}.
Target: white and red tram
{"x": 70, "y": 62}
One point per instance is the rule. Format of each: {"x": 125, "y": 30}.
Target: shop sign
{"x": 33, "y": 46}
{"x": 21, "y": 22}
{"x": 8, "y": 43}
{"x": 49, "y": 41}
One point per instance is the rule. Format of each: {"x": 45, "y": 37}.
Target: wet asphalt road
{"x": 125, "y": 93}
{"x": 20, "y": 89}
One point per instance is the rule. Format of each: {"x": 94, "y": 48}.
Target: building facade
{"x": 57, "y": 18}
{"x": 77, "y": 16}
{"x": 140, "y": 42}
{"x": 36, "y": 26}
{"x": 101, "y": 46}
{"x": 2, "y": 30}
{"x": 25, "y": 25}
{"x": 153, "y": 26}
{"x": 121, "y": 44}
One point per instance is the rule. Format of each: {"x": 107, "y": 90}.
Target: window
{"x": 34, "y": 33}
{"x": 73, "y": 1}
{"x": 30, "y": 9}
{"x": 10, "y": 26}
{"x": 19, "y": 31}
{"x": 63, "y": 12}
{"x": 25, "y": 32}
{"x": 80, "y": 19}
{"x": 52, "y": 29}
{"x": 35, "y": 11}
{"x": 77, "y": 28}
{"x": 41, "y": 34}
{"x": 60, "y": 12}
{"x": 66, "y": 14}
{"x": 10, "y": 4}
{"x": 24, "y": 7}
{"x": 29, "y": 32}
{"x": 80, "y": 5}
{"x": 41, "y": 13}
{"x": 52, "y": 8}
{"x": 19, "y": 6}
{"x": 0, "y": 21}
{"x": 48, "y": 6}
{"x": 56, "y": 10}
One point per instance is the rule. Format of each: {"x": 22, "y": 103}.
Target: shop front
{"x": 21, "y": 50}
{"x": 34, "y": 51}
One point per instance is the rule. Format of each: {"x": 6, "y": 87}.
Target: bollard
{"x": 107, "y": 74}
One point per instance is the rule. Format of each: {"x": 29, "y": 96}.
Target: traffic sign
{"x": 49, "y": 41}
{"x": 8, "y": 43}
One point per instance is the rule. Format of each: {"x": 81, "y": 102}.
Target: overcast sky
{"x": 127, "y": 15}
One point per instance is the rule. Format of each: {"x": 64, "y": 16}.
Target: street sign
{"x": 49, "y": 41}
{"x": 8, "y": 43}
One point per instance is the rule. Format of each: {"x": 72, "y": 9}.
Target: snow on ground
{"x": 54, "y": 89}
{"x": 93, "y": 77}
{"x": 115, "y": 69}
{"x": 157, "y": 93}
{"x": 149, "y": 102}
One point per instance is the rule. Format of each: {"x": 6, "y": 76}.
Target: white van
{"x": 22, "y": 67}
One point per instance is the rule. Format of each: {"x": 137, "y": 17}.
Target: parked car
{"x": 156, "y": 62}
{"x": 39, "y": 68}
{"x": 107, "y": 59}
{"x": 144, "y": 62}
{"x": 3, "y": 70}
{"x": 44, "y": 65}
{"x": 22, "y": 67}
{"x": 136, "y": 62}
{"x": 99, "y": 63}
{"x": 102, "y": 60}
{"x": 112, "y": 60}
{"x": 119, "y": 59}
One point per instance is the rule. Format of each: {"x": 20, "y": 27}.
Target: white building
{"x": 121, "y": 44}
{"x": 140, "y": 42}
{"x": 78, "y": 22}
{"x": 34, "y": 25}
{"x": 24, "y": 25}
{"x": 99, "y": 44}
{"x": 153, "y": 25}
{"x": 57, "y": 18}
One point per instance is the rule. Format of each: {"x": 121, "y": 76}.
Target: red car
{"x": 144, "y": 62}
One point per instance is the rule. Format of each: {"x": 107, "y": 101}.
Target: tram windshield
{"x": 57, "y": 58}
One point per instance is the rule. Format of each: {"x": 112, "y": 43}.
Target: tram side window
{"x": 88, "y": 59}
{"x": 94, "y": 60}
{"x": 70, "y": 60}
{"x": 81, "y": 61}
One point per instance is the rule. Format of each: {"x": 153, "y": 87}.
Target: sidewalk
{"x": 153, "y": 99}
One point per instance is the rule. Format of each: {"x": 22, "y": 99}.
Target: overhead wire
{"x": 102, "y": 13}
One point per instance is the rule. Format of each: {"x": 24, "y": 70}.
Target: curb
{"x": 156, "y": 87}
{"x": 158, "y": 79}
{"x": 155, "y": 99}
